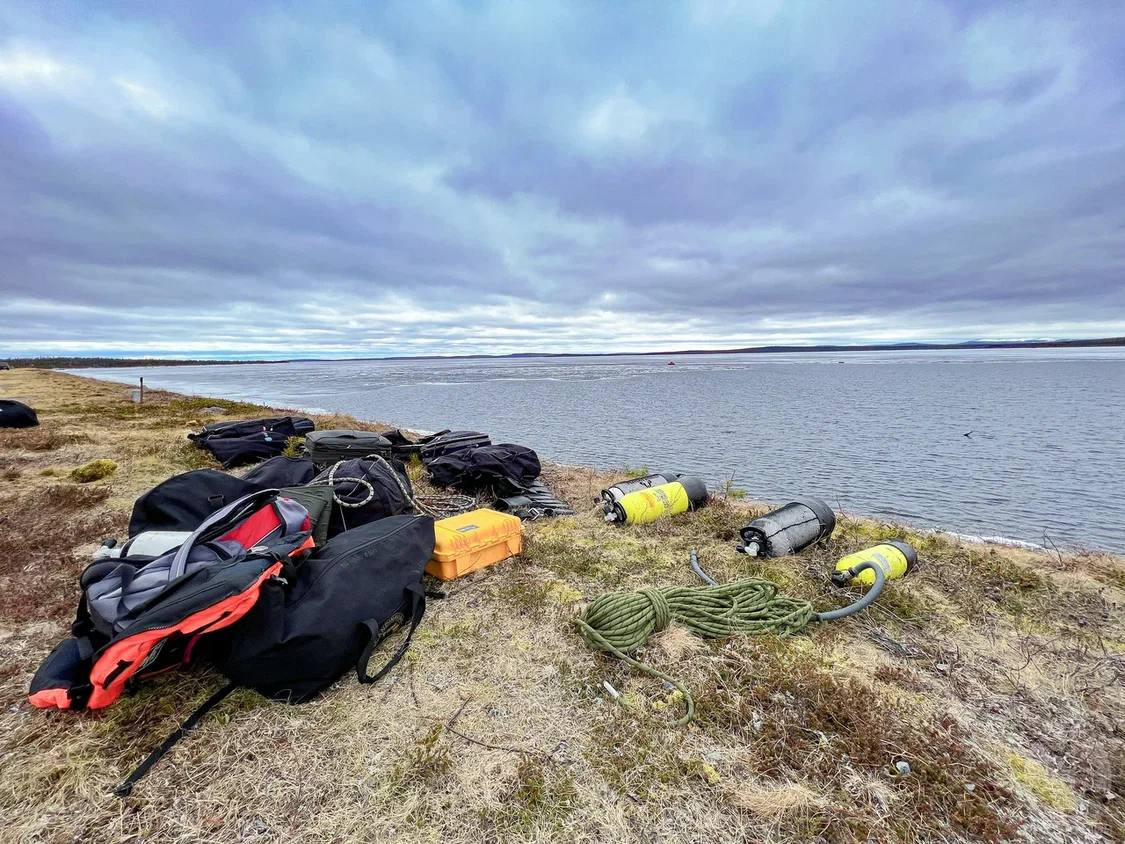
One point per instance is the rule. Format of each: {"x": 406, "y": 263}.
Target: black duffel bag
{"x": 340, "y": 603}
{"x": 16, "y": 414}
{"x": 450, "y": 442}
{"x": 183, "y": 501}
{"x": 282, "y": 471}
{"x": 300, "y": 426}
{"x": 503, "y": 469}
{"x": 238, "y": 443}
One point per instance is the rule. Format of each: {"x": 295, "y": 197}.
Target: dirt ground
{"x": 994, "y": 673}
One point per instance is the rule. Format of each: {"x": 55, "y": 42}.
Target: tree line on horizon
{"x": 84, "y": 362}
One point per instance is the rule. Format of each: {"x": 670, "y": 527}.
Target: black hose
{"x": 695, "y": 567}
{"x": 863, "y": 602}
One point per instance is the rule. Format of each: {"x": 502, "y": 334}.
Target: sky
{"x": 218, "y": 179}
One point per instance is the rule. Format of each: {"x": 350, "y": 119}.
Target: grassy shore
{"x": 994, "y": 672}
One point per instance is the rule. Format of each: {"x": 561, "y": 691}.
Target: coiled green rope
{"x": 619, "y": 623}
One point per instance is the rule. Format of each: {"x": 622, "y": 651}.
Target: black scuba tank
{"x": 788, "y": 529}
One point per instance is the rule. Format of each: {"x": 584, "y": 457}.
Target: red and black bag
{"x": 141, "y": 615}
{"x": 275, "y": 614}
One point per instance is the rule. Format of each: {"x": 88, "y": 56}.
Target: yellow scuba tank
{"x": 643, "y": 506}
{"x": 894, "y": 558}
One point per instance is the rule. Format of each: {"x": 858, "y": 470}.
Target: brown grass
{"x": 995, "y": 673}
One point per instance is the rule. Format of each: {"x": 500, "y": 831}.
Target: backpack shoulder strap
{"x": 374, "y": 634}
{"x": 126, "y": 787}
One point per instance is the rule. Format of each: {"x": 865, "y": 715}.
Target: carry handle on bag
{"x": 375, "y": 636}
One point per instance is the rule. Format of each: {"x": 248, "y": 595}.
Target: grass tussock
{"x": 95, "y": 470}
{"x": 43, "y": 438}
{"x": 994, "y": 674}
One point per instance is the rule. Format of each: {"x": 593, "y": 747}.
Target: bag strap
{"x": 126, "y": 787}
{"x": 417, "y": 610}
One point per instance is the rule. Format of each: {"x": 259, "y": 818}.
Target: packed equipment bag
{"x": 138, "y": 616}
{"x": 244, "y": 427}
{"x": 450, "y": 442}
{"x": 365, "y": 490}
{"x": 238, "y": 443}
{"x": 244, "y": 593}
{"x": 503, "y": 469}
{"x": 281, "y": 471}
{"x": 327, "y": 447}
{"x": 16, "y": 414}
{"x": 183, "y": 501}
{"x": 345, "y": 599}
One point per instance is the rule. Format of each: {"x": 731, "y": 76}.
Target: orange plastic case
{"x": 472, "y": 541}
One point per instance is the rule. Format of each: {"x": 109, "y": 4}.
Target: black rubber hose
{"x": 698, "y": 569}
{"x": 862, "y": 603}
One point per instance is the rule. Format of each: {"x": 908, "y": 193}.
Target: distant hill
{"x": 78, "y": 362}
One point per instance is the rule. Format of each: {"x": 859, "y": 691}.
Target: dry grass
{"x": 995, "y": 673}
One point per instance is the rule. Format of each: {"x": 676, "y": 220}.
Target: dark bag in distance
{"x": 183, "y": 501}
{"x": 345, "y": 599}
{"x": 16, "y": 414}
{"x": 326, "y": 447}
{"x": 365, "y": 490}
{"x": 300, "y": 426}
{"x": 247, "y": 441}
{"x": 504, "y": 469}
{"x": 450, "y": 442}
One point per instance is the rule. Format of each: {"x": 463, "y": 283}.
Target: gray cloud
{"x": 448, "y": 178}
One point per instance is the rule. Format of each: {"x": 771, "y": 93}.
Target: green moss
{"x": 562, "y": 593}
{"x": 541, "y": 795}
{"x": 635, "y": 753}
{"x": 95, "y": 470}
{"x": 294, "y": 447}
{"x": 1033, "y": 776}
{"x": 426, "y": 763}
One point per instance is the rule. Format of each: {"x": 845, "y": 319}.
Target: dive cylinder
{"x": 894, "y": 558}
{"x": 619, "y": 490}
{"x": 788, "y": 529}
{"x": 668, "y": 499}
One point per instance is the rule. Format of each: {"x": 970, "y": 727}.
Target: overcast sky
{"x": 215, "y": 179}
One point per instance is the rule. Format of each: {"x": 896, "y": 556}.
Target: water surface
{"x": 877, "y": 433}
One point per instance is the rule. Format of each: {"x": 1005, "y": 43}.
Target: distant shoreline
{"x": 983, "y": 345}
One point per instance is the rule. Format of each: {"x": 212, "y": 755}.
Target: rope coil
{"x": 435, "y": 506}
{"x": 620, "y": 623}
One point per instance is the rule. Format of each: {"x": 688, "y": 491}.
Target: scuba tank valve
{"x": 788, "y": 529}
{"x": 669, "y": 499}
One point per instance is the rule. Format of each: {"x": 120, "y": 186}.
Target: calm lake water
{"x": 875, "y": 433}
